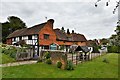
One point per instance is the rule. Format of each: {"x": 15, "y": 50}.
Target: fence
{"x": 25, "y": 54}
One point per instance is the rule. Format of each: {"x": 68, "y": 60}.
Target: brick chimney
{"x": 72, "y": 31}
{"x": 50, "y": 23}
{"x": 68, "y": 32}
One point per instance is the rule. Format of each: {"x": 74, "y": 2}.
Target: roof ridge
{"x": 37, "y": 25}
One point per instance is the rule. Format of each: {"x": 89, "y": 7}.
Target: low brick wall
{"x": 57, "y": 56}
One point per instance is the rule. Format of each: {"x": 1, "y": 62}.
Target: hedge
{"x": 113, "y": 49}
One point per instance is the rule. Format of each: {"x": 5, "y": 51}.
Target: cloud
{"x": 81, "y": 16}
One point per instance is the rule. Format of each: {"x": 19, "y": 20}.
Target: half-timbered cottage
{"x": 43, "y": 36}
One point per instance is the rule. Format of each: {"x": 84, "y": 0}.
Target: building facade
{"x": 43, "y": 36}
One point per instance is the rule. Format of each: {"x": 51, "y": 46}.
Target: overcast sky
{"x": 77, "y": 15}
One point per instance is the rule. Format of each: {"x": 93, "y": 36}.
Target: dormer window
{"x": 46, "y": 36}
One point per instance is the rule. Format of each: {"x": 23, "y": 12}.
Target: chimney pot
{"x": 72, "y": 31}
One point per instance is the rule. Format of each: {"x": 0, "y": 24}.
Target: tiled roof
{"x": 60, "y": 35}
{"x": 27, "y": 31}
{"x": 78, "y": 37}
{"x": 92, "y": 42}
{"x": 69, "y": 37}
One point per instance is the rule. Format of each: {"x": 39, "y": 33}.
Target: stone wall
{"x": 57, "y": 56}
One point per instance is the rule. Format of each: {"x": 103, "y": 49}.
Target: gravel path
{"x": 17, "y": 63}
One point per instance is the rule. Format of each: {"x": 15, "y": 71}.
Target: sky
{"x": 78, "y": 15}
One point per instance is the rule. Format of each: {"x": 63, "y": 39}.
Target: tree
{"x": 104, "y": 41}
{"x": 6, "y": 30}
{"x": 11, "y": 25}
{"x": 115, "y": 40}
{"x": 107, "y": 4}
{"x": 117, "y": 35}
{"x": 16, "y": 23}
{"x": 112, "y": 40}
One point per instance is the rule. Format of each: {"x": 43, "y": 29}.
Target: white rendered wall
{"x": 31, "y": 42}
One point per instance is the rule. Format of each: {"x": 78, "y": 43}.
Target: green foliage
{"x": 11, "y": 51}
{"x": 59, "y": 64}
{"x": 4, "y": 45}
{"x": 3, "y": 50}
{"x": 113, "y": 49}
{"x": 115, "y": 39}
{"x": 99, "y": 47}
{"x": 95, "y": 49}
{"x": 70, "y": 65}
{"x": 11, "y": 25}
{"x": 104, "y": 41}
{"x": 6, "y": 59}
{"x": 47, "y": 55}
{"x": 16, "y": 23}
{"x": 48, "y": 61}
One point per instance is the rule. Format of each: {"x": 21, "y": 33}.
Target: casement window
{"x": 46, "y": 47}
{"x": 29, "y": 37}
{"x": 46, "y": 36}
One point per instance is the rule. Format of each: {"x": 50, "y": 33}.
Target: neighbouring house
{"x": 93, "y": 45}
{"x": 43, "y": 36}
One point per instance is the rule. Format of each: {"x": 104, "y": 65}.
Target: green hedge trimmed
{"x": 113, "y": 49}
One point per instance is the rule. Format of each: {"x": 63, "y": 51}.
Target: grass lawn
{"x": 6, "y": 59}
{"x": 91, "y": 69}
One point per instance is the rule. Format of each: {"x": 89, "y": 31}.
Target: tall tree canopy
{"x": 11, "y": 25}
{"x": 115, "y": 39}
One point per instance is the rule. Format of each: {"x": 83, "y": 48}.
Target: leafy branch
{"x": 107, "y": 4}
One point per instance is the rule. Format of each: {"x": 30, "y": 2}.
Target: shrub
{"x": 70, "y": 65}
{"x": 48, "y": 61}
{"x": 95, "y": 49}
{"x": 113, "y": 49}
{"x": 13, "y": 52}
{"x": 59, "y": 64}
{"x": 4, "y": 45}
{"x": 10, "y": 51}
{"x": 105, "y": 60}
{"x": 3, "y": 50}
{"x": 39, "y": 60}
{"x": 47, "y": 55}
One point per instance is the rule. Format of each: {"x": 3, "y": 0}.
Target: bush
{"x": 70, "y": 65}
{"x": 113, "y": 49}
{"x": 4, "y": 45}
{"x": 59, "y": 64}
{"x": 48, "y": 61}
{"x": 47, "y": 55}
{"x": 3, "y": 50}
{"x": 11, "y": 51}
{"x": 105, "y": 60}
{"x": 95, "y": 49}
